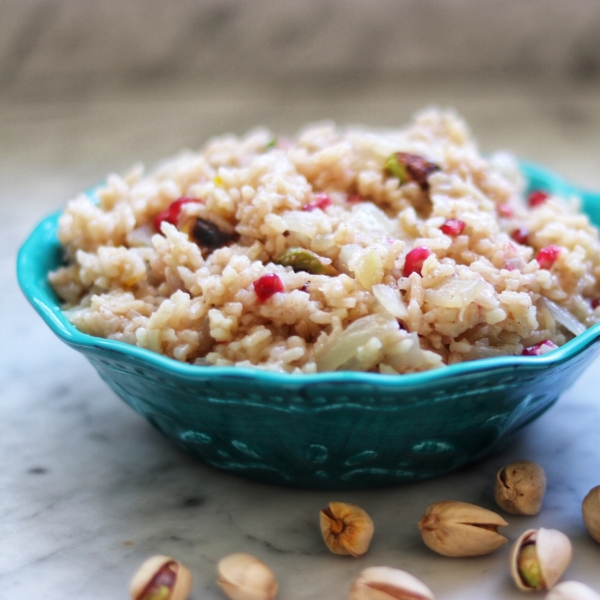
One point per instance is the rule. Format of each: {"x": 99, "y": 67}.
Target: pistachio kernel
{"x": 410, "y": 167}
{"x": 161, "y": 578}
{"x": 529, "y": 567}
{"x": 301, "y": 259}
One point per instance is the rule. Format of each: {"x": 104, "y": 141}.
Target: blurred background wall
{"x": 70, "y": 47}
{"x": 90, "y": 86}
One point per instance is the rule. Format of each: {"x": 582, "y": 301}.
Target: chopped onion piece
{"x": 341, "y": 348}
{"x": 141, "y": 236}
{"x": 563, "y": 316}
{"x": 369, "y": 270}
{"x": 391, "y": 300}
{"x": 455, "y": 293}
{"x": 347, "y": 252}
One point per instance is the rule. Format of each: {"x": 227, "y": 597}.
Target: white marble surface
{"x": 88, "y": 489}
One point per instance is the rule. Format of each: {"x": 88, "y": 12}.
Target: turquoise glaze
{"x": 329, "y": 430}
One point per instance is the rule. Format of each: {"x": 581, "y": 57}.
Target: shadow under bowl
{"x": 328, "y": 430}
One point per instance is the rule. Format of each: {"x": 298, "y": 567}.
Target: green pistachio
{"x": 395, "y": 168}
{"x": 538, "y": 558}
{"x": 410, "y": 167}
{"x": 161, "y": 578}
{"x": 529, "y": 567}
{"x": 301, "y": 259}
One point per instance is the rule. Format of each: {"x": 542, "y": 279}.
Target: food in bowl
{"x": 342, "y": 249}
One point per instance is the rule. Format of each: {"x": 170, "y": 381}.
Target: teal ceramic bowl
{"x": 329, "y": 430}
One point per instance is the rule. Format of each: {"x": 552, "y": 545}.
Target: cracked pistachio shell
{"x": 461, "y": 529}
{"x": 591, "y": 512}
{"x": 346, "y": 528}
{"x": 385, "y": 583}
{"x": 572, "y": 590}
{"x": 244, "y": 577}
{"x": 520, "y": 487}
{"x": 553, "y": 551}
{"x": 142, "y": 580}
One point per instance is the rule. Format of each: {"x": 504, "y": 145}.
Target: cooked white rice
{"x": 479, "y": 293}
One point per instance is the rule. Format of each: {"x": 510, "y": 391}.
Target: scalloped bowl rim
{"x": 62, "y": 327}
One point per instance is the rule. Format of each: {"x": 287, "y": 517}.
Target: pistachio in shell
{"x": 572, "y": 590}
{"x": 538, "y": 558}
{"x": 386, "y": 583}
{"x": 346, "y": 528}
{"x": 301, "y": 259}
{"x": 161, "y": 578}
{"x": 461, "y": 529}
{"x": 244, "y": 577}
{"x": 520, "y": 487}
{"x": 591, "y": 512}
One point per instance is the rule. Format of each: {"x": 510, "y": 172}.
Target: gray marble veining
{"x": 88, "y": 489}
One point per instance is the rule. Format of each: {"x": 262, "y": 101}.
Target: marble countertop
{"x": 88, "y": 489}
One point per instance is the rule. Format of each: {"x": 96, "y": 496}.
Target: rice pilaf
{"x": 342, "y": 249}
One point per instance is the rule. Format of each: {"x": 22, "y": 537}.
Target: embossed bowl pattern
{"x": 329, "y": 430}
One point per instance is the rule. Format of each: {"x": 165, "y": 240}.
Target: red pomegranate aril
{"x": 354, "y": 199}
{"x": 537, "y": 197}
{"x": 171, "y": 215}
{"x": 453, "y": 227}
{"x": 322, "y": 201}
{"x": 504, "y": 210}
{"x": 595, "y": 303}
{"x": 414, "y": 260}
{"x": 537, "y": 349}
{"x": 547, "y": 256}
{"x": 267, "y": 285}
{"x": 520, "y": 236}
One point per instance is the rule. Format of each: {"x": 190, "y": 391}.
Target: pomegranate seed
{"x": 537, "y": 197}
{"x": 537, "y": 349}
{"x": 520, "y": 236}
{"x": 415, "y": 259}
{"x": 171, "y": 215}
{"x": 322, "y": 201}
{"x": 453, "y": 227}
{"x": 595, "y": 303}
{"x": 354, "y": 199}
{"x": 547, "y": 256}
{"x": 267, "y": 285}
{"x": 504, "y": 210}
